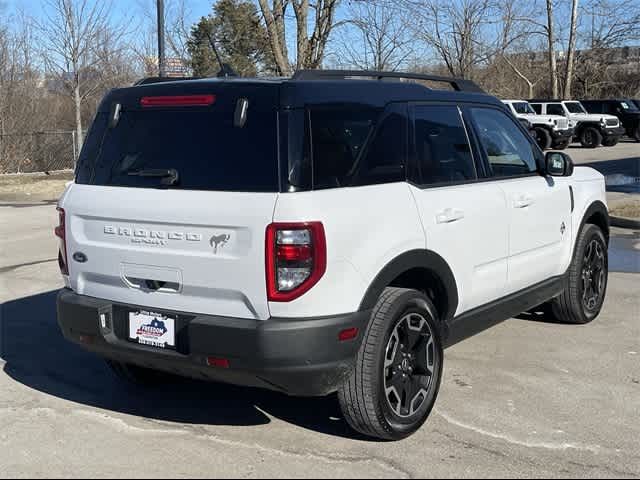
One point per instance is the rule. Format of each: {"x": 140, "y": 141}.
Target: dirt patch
{"x": 626, "y": 208}
{"x": 34, "y": 186}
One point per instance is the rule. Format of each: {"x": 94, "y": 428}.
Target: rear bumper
{"x": 301, "y": 357}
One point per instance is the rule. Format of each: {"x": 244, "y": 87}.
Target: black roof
{"x": 324, "y": 87}
{"x": 549, "y": 100}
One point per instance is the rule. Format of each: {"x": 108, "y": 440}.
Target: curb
{"x": 622, "y": 222}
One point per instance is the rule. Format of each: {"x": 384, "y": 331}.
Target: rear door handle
{"x": 523, "y": 201}
{"x": 449, "y": 215}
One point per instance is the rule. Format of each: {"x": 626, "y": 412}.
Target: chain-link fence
{"x": 37, "y": 152}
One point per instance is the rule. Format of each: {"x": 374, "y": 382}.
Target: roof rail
{"x": 458, "y": 84}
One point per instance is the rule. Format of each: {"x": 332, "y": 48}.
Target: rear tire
{"x": 590, "y": 137}
{"x": 610, "y": 142}
{"x": 398, "y": 370}
{"x": 543, "y": 138}
{"x": 586, "y": 284}
{"x": 137, "y": 376}
{"x": 636, "y": 134}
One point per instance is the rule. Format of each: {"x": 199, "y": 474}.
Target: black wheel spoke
{"x": 409, "y": 364}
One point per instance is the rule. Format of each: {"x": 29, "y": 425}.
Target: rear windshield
{"x": 198, "y": 148}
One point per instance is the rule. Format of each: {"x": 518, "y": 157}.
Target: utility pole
{"x": 161, "y": 41}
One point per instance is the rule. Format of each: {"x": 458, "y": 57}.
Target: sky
{"x": 122, "y": 8}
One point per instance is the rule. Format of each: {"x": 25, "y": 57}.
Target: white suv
{"x": 319, "y": 234}
{"x": 551, "y": 131}
{"x": 591, "y": 130}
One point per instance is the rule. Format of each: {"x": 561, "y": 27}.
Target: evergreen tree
{"x": 240, "y": 37}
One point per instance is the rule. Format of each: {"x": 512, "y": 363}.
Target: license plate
{"x": 152, "y": 329}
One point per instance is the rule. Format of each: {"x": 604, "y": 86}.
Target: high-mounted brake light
{"x": 178, "y": 101}
{"x": 61, "y": 232}
{"x": 296, "y": 259}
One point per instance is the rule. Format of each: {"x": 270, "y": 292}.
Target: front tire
{"x": 543, "y": 138}
{"x": 586, "y": 286}
{"x": 636, "y": 134}
{"x": 562, "y": 145}
{"x": 610, "y": 142}
{"x": 398, "y": 370}
{"x": 590, "y": 137}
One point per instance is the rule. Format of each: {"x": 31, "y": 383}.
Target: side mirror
{"x": 559, "y": 164}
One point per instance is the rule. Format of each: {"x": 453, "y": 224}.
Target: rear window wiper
{"x": 169, "y": 176}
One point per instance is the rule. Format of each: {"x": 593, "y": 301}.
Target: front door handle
{"x": 449, "y": 215}
{"x": 523, "y": 201}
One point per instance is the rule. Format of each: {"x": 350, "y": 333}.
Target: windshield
{"x": 523, "y": 108}
{"x": 184, "y": 148}
{"x": 575, "y": 107}
{"x": 629, "y": 106}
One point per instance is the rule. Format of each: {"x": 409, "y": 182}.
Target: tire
{"x": 369, "y": 400}
{"x": 636, "y": 134}
{"x": 561, "y": 145}
{"x": 543, "y": 138}
{"x": 137, "y": 376}
{"x": 576, "y": 304}
{"x": 610, "y": 142}
{"x": 590, "y": 137}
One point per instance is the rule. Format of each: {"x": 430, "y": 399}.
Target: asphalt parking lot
{"x": 528, "y": 398}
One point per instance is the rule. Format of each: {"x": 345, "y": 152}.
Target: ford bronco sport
{"x": 590, "y": 130}
{"x": 551, "y": 131}
{"x": 319, "y": 234}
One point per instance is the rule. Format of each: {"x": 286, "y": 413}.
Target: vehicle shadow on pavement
{"x": 38, "y": 356}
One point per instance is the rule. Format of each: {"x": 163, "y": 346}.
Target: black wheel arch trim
{"x": 409, "y": 260}
{"x": 597, "y": 207}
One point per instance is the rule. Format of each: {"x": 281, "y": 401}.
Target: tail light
{"x": 61, "y": 233}
{"x": 178, "y": 101}
{"x": 296, "y": 256}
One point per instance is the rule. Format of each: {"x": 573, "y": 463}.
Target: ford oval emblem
{"x": 80, "y": 257}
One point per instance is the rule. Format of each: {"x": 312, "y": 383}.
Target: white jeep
{"x": 551, "y": 131}
{"x": 591, "y": 130}
{"x": 319, "y": 234}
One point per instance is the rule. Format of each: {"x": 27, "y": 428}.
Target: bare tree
{"x": 74, "y": 34}
{"x": 571, "y": 50}
{"x": 375, "y": 37}
{"x": 310, "y": 48}
{"x": 465, "y": 34}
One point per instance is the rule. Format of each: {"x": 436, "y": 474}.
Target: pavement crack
{"x": 201, "y": 433}
{"x": 26, "y": 264}
{"x": 509, "y": 439}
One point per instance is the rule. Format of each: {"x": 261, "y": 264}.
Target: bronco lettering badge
{"x": 151, "y": 237}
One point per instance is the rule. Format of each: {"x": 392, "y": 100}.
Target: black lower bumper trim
{"x": 301, "y": 357}
{"x": 613, "y": 132}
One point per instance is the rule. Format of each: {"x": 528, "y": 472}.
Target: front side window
{"x": 443, "y": 153}
{"x": 523, "y": 108}
{"x": 555, "y": 109}
{"x": 508, "y": 150}
{"x": 575, "y": 107}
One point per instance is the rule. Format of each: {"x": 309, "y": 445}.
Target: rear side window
{"x": 203, "y": 145}
{"x": 509, "y": 151}
{"x": 555, "y": 109}
{"x": 537, "y": 108}
{"x": 356, "y": 146}
{"x": 443, "y": 153}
